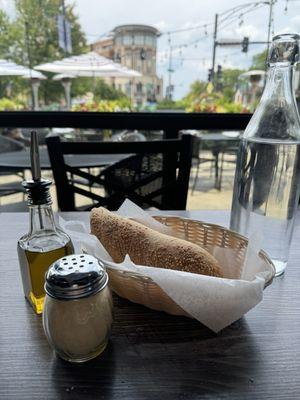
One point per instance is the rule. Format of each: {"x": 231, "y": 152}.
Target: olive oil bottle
{"x": 45, "y": 242}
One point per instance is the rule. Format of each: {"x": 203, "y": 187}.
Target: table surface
{"x": 21, "y": 159}
{"x": 152, "y": 355}
{"x": 219, "y": 137}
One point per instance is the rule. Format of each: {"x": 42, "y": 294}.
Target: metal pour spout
{"x": 36, "y": 167}
{"x": 35, "y": 157}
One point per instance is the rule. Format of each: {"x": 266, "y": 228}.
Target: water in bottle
{"x": 266, "y": 187}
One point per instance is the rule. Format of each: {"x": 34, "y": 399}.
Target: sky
{"x": 192, "y": 52}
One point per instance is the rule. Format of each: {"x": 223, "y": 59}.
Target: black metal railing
{"x": 170, "y": 123}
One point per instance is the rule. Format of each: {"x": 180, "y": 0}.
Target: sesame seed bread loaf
{"x": 145, "y": 246}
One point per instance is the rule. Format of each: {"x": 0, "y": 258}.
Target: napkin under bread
{"x": 145, "y": 246}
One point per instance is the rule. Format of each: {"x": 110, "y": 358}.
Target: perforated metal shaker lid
{"x": 75, "y": 276}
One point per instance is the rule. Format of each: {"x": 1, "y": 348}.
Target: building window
{"x": 139, "y": 65}
{"x": 118, "y": 40}
{"x": 128, "y": 89}
{"x": 139, "y": 39}
{"x": 128, "y": 60}
{"x": 149, "y": 66}
{"x": 150, "y": 40}
{"x": 158, "y": 89}
{"x": 150, "y": 92}
{"x": 127, "y": 40}
{"x": 139, "y": 88}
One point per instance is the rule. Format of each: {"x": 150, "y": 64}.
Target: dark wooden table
{"x": 153, "y": 355}
{"x": 17, "y": 160}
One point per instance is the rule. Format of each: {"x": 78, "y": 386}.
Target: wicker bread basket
{"x": 142, "y": 290}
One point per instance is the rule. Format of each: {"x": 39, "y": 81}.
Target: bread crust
{"x": 145, "y": 246}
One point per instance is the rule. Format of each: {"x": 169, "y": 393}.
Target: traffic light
{"x": 209, "y": 78}
{"x": 245, "y": 44}
{"x": 219, "y": 72}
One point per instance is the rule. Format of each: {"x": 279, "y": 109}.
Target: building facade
{"x": 134, "y": 46}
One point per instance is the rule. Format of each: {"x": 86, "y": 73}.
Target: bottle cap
{"x": 284, "y": 49}
{"x": 37, "y": 189}
{"x": 75, "y": 276}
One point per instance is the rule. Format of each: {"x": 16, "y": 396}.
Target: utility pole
{"x": 271, "y": 3}
{"x": 63, "y": 6}
{"x": 170, "y": 70}
{"x": 29, "y": 62}
{"x": 214, "y": 49}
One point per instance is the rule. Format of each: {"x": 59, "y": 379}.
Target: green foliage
{"x": 167, "y": 104}
{"x": 203, "y": 97}
{"x": 196, "y": 89}
{"x": 104, "y": 105}
{"x": 4, "y": 34}
{"x": 229, "y": 82}
{"x": 259, "y": 60}
{"x": 36, "y": 20}
{"x": 104, "y": 91}
{"x": 10, "y": 105}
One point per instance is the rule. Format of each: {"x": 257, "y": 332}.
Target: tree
{"x": 39, "y": 22}
{"x": 31, "y": 38}
{"x": 229, "y": 82}
{"x": 259, "y": 60}
{"x": 104, "y": 91}
{"x": 4, "y": 34}
{"x": 196, "y": 89}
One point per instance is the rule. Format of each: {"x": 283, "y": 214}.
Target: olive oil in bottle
{"x": 45, "y": 242}
{"x": 34, "y": 265}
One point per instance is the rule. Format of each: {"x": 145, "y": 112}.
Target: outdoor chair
{"x": 231, "y": 151}
{"x": 7, "y": 188}
{"x": 156, "y": 174}
{"x": 197, "y": 159}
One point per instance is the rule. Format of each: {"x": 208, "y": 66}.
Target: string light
{"x": 286, "y": 7}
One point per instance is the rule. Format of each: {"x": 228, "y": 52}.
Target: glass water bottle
{"x": 266, "y": 187}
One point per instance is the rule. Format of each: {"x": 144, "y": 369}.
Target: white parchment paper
{"x": 215, "y": 302}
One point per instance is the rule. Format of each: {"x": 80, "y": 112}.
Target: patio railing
{"x": 170, "y": 123}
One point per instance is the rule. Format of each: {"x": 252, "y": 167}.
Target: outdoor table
{"x": 17, "y": 160}
{"x": 152, "y": 355}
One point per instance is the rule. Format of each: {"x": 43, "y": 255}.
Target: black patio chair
{"x": 155, "y": 175}
{"x": 198, "y": 159}
{"x": 6, "y": 145}
{"x": 231, "y": 151}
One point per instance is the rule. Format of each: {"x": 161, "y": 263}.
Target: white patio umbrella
{"x": 86, "y": 65}
{"x": 9, "y": 68}
{"x": 253, "y": 72}
{"x": 89, "y": 64}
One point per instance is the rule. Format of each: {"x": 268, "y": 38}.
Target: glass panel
{"x": 127, "y": 40}
{"x": 139, "y": 39}
{"x": 150, "y": 40}
{"x": 118, "y": 40}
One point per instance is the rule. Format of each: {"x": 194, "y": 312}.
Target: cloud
{"x": 162, "y": 25}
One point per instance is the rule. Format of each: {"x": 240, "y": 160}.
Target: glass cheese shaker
{"x": 77, "y": 314}
{"x": 45, "y": 242}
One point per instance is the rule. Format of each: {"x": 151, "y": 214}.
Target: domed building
{"x": 134, "y": 46}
